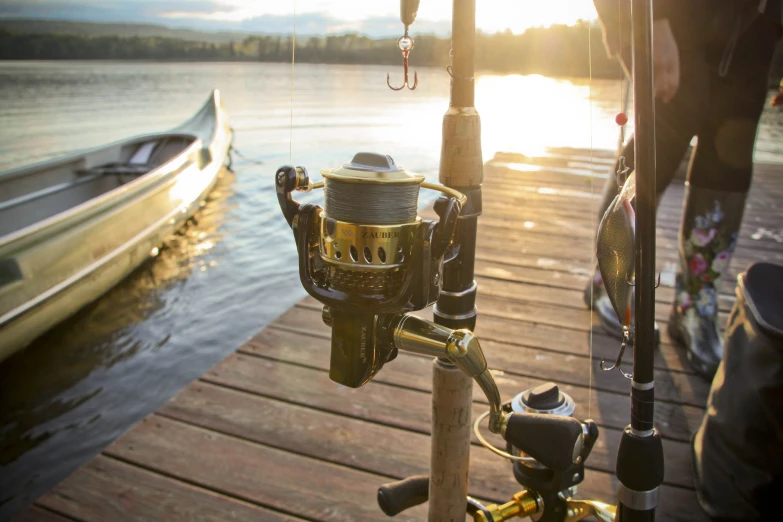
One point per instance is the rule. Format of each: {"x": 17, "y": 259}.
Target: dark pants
{"x": 722, "y": 111}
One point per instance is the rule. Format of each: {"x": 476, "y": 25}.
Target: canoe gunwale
{"x": 53, "y": 291}
{"x": 103, "y": 203}
{"x": 210, "y": 131}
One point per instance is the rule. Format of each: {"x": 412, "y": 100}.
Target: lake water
{"x": 232, "y": 270}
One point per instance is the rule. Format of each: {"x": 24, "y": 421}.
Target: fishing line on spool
{"x": 371, "y": 204}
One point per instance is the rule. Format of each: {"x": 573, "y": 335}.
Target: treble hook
{"x": 626, "y": 338}
{"x": 405, "y": 44}
{"x": 622, "y": 171}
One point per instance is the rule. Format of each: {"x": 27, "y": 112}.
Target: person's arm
{"x": 666, "y": 61}
{"x": 615, "y": 18}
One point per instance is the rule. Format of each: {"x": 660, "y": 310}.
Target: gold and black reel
{"x": 367, "y": 255}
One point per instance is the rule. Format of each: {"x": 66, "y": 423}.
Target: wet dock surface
{"x": 265, "y": 435}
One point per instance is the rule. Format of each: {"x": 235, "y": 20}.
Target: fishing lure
{"x": 615, "y": 250}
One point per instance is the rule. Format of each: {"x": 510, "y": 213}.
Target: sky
{"x": 372, "y": 17}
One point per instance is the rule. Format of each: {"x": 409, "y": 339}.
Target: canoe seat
{"x": 147, "y": 156}
{"x": 118, "y": 169}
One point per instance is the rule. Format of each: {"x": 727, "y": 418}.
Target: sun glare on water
{"x": 531, "y": 113}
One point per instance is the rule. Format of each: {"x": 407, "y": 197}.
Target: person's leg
{"x": 676, "y": 123}
{"x": 718, "y": 180}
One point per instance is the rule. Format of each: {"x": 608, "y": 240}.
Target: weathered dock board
{"x": 265, "y": 435}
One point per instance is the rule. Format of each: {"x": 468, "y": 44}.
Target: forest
{"x": 558, "y": 50}
{"x": 555, "y": 51}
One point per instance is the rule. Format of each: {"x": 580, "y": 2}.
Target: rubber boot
{"x": 595, "y": 295}
{"x": 738, "y": 450}
{"x": 708, "y": 236}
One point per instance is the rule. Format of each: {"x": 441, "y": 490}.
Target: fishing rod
{"x": 371, "y": 260}
{"x": 640, "y": 455}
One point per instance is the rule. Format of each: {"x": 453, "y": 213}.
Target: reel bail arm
{"x": 461, "y": 347}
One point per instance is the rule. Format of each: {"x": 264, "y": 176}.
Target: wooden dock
{"x": 265, "y": 435}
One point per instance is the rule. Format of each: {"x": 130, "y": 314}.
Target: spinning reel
{"x": 370, "y": 259}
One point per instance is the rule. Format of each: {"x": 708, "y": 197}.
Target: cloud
{"x": 204, "y": 15}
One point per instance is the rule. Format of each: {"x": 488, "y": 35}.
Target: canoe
{"x": 73, "y": 227}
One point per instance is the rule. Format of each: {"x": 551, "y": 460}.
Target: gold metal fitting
{"x": 366, "y": 247}
{"x": 523, "y": 504}
{"x": 461, "y": 347}
{"x": 580, "y": 509}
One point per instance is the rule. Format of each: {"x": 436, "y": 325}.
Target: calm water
{"x": 232, "y": 270}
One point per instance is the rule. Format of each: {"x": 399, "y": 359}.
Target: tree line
{"x": 557, "y": 50}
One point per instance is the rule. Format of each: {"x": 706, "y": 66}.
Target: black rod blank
{"x": 640, "y": 455}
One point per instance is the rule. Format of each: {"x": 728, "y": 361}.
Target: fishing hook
{"x": 626, "y": 338}
{"x": 622, "y": 171}
{"x": 405, "y": 44}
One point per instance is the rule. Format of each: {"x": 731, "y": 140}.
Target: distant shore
{"x": 555, "y": 51}
{"x": 552, "y": 51}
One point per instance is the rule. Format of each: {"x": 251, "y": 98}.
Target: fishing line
{"x": 239, "y": 154}
{"x": 592, "y": 214}
{"x": 375, "y": 204}
{"x": 291, "y": 122}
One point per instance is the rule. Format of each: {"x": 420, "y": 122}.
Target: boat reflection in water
{"x": 102, "y": 351}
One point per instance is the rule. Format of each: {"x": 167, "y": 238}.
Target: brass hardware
{"x": 523, "y": 504}
{"x": 417, "y": 335}
{"x": 462, "y": 198}
{"x": 358, "y": 247}
{"x": 580, "y": 509}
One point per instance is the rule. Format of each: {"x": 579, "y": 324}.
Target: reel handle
{"x": 396, "y": 497}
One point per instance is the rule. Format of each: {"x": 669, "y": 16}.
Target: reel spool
{"x": 369, "y": 224}
{"x": 367, "y": 255}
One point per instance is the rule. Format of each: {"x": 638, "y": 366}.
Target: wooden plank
{"x": 580, "y": 175}
{"x": 568, "y": 281}
{"x": 404, "y": 377}
{"x": 282, "y": 481}
{"x": 364, "y": 445}
{"x": 567, "y": 368}
{"x": 567, "y": 297}
{"x": 590, "y": 180}
{"x": 524, "y": 333}
{"x": 108, "y": 489}
{"x": 39, "y": 514}
{"x": 502, "y": 237}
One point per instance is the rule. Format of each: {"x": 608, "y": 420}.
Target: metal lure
{"x": 615, "y": 250}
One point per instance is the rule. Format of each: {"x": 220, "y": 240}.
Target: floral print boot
{"x": 708, "y": 237}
